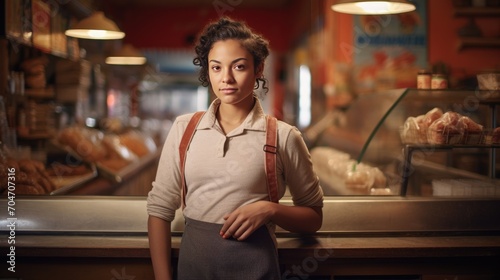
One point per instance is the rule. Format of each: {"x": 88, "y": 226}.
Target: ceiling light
{"x": 127, "y": 55}
{"x": 96, "y": 27}
{"x": 372, "y": 7}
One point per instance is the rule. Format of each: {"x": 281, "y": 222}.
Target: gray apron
{"x": 204, "y": 254}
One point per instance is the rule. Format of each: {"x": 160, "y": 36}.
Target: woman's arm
{"x": 246, "y": 219}
{"x": 160, "y": 247}
{"x": 301, "y": 219}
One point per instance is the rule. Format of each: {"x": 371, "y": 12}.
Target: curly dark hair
{"x": 224, "y": 29}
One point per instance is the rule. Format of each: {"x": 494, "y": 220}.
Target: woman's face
{"x": 231, "y": 72}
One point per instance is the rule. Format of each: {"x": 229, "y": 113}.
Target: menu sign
{"x": 390, "y": 49}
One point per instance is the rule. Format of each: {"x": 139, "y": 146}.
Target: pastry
{"x": 472, "y": 131}
{"x": 444, "y": 130}
{"x": 83, "y": 145}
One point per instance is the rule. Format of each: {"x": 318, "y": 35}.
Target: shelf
{"x": 409, "y": 149}
{"x": 477, "y": 12}
{"x": 41, "y": 93}
{"x": 477, "y": 42}
{"x": 35, "y": 136}
{"x": 455, "y": 95}
{"x": 446, "y": 147}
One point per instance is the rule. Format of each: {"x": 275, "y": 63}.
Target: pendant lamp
{"x": 373, "y": 7}
{"x": 127, "y": 55}
{"x": 96, "y": 27}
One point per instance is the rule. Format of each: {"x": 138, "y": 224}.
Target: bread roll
{"x": 444, "y": 130}
{"x": 359, "y": 180}
{"x": 411, "y": 131}
{"x": 90, "y": 151}
{"x": 431, "y": 117}
{"x": 495, "y": 136}
{"x": 134, "y": 143}
{"x": 472, "y": 131}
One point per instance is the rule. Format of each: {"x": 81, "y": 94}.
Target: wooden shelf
{"x": 477, "y": 42}
{"x": 477, "y": 12}
{"x": 24, "y": 134}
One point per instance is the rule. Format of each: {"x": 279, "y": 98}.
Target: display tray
{"x": 67, "y": 170}
{"x": 123, "y": 166}
{"x": 64, "y": 184}
{"x": 118, "y": 176}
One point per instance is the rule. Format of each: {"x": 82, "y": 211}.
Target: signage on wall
{"x": 390, "y": 49}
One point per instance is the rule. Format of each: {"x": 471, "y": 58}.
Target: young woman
{"x": 230, "y": 220}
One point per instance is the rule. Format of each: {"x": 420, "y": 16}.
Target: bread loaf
{"x": 83, "y": 145}
{"x": 444, "y": 130}
{"x": 472, "y": 132}
{"x": 31, "y": 178}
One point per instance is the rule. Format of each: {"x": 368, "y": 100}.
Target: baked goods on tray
{"x": 31, "y": 177}
{"x": 438, "y": 128}
{"x": 112, "y": 153}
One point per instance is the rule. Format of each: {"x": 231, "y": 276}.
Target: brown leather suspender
{"x": 270, "y": 148}
{"x": 183, "y": 146}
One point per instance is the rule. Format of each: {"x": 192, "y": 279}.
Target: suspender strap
{"x": 183, "y": 146}
{"x": 271, "y": 148}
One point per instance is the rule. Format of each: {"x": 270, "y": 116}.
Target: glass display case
{"x": 426, "y": 143}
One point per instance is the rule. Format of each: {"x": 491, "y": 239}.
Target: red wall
{"x": 162, "y": 27}
{"x": 443, "y": 40}
{"x": 171, "y": 28}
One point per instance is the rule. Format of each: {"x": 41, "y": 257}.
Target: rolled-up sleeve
{"x": 165, "y": 196}
{"x": 298, "y": 172}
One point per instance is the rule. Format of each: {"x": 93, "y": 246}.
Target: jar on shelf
{"x": 439, "y": 81}
{"x": 424, "y": 79}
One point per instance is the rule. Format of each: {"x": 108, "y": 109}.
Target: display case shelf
{"x": 409, "y": 151}
{"x": 487, "y": 98}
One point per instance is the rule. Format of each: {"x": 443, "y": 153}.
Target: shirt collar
{"x": 254, "y": 121}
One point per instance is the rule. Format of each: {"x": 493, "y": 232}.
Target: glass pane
{"x": 370, "y": 134}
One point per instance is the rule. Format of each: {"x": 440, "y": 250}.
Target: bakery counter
{"x": 87, "y": 215}
{"x": 96, "y": 237}
{"x": 313, "y": 257}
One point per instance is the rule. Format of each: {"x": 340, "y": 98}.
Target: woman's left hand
{"x": 246, "y": 219}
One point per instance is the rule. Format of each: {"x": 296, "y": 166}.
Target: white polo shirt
{"x": 224, "y": 172}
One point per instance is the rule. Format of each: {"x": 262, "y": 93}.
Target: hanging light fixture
{"x": 373, "y": 7}
{"x": 127, "y": 55}
{"x": 96, "y": 27}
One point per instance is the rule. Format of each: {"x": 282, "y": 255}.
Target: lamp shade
{"x": 96, "y": 27}
{"x": 127, "y": 55}
{"x": 373, "y": 7}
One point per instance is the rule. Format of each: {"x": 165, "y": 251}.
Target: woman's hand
{"x": 243, "y": 221}
{"x": 246, "y": 219}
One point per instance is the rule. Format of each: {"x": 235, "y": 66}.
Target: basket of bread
{"x": 442, "y": 128}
